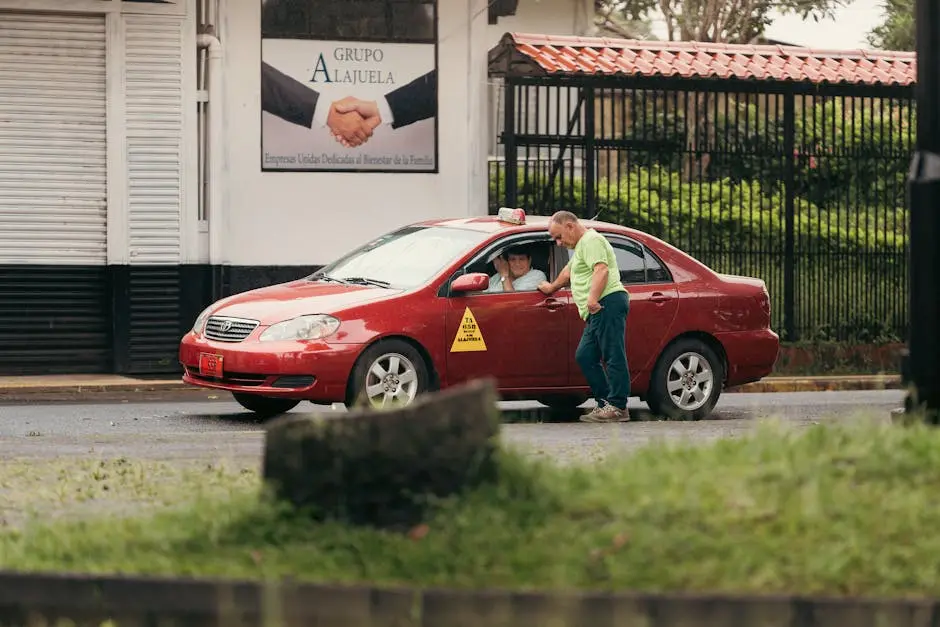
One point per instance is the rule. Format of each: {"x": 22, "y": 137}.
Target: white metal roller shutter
{"x": 53, "y": 168}
{"x": 154, "y": 110}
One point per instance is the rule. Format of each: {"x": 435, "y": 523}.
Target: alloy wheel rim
{"x": 690, "y": 381}
{"x": 391, "y": 381}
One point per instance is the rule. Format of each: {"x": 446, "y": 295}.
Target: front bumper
{"x": 314, "y": 371}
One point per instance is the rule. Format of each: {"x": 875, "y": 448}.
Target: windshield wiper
{"x": 329, "y": 279}
{"x": 367, "y": 281}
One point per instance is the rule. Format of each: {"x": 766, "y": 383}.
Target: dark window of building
{"x": 363, "y": 20}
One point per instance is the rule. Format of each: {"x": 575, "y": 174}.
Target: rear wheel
{"x": 686, "y": 381}
{"x": 389, "y": 374}
{"x": 265, "y": 406}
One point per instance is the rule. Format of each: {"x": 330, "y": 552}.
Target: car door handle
{"x": 551, "y": 304}
{"x": 658, "y": 297}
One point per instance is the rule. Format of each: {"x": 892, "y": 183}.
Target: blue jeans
{"x": 604, "y": 338}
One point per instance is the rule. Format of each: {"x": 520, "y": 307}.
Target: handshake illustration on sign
{"x": 353, "y": 120}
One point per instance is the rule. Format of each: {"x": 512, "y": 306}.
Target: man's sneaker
{"x": 607, "y": 413}
{"x": 591, "y": 413}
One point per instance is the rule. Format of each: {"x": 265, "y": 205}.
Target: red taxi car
{"x": 409, "y": 312}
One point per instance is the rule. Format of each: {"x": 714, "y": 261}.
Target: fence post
{"x": 589, "y": 152}
{"x": 789, "y": 245}
{"x": 509, "y": 141}
{"x": 920, "y": 369}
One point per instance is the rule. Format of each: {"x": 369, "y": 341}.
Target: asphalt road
{"x": 196, "y": 426}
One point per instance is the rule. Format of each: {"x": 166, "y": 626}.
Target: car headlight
{"x": 200, "y": 323}
{"x": 312, "y": 327}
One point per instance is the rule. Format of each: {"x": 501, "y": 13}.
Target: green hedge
{"x": 848, "y": 152}
{"x": 850, "y": 264}
{"x": 723, "y": 216}
{"x": 850, "y": 159}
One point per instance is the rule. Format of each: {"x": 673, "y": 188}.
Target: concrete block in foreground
{"x": 377, "y": 467}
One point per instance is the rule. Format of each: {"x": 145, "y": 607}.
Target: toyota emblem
{"x": 226, "y": 326}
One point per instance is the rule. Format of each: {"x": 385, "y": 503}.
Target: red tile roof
{"x": 571, "y": 56}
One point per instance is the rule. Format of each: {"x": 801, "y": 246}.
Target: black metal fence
{"x": 803, "y": 186}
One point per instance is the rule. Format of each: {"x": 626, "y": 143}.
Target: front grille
{"x": 225, "y": 329}
{"x": 232, "y": 378}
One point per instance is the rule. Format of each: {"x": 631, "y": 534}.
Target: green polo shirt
{"x": 591, "y": 249}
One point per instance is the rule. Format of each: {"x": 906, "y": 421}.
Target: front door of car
{"x": 654, "y": 302}
{"x": 518, "y": 337}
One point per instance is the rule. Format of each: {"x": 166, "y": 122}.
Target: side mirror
{"x": 473, "y": 282}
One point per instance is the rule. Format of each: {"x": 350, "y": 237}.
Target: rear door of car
{"x": 654, "y": 302}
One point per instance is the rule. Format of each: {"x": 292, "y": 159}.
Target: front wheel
{"x": 265, "y": 406}
{"x": 686, "y": 381}
{"x": 389, "y": 374}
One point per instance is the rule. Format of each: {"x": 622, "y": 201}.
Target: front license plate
{"x": 210, "y": 365}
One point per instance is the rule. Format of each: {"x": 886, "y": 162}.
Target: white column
{"x": 189, "y": 168}
{"x": 478, "y": 127}
{"x": 117, "y": 218}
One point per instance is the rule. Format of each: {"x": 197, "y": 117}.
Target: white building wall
{"x": 543, "y": 17}
{"x": 309, "y": 218}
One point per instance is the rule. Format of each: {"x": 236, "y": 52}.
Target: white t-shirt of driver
{"x": 528, "y": 282}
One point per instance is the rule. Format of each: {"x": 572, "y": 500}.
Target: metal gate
{"x": 799, "y": 183}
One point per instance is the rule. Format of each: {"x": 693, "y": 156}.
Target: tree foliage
{"x": 619, "y": 20}
{"x": 725, "y": 21}
{"x": 897, "y": 30}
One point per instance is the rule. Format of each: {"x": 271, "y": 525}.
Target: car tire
{"x": 409, "y": 379}
{"x": 265, "y": 406}
{"x": 678, "y": 405}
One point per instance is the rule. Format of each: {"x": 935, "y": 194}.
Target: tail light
{"x": 763, "y": 303}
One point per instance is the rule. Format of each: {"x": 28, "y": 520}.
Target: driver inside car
{"x": 514, "y": 272}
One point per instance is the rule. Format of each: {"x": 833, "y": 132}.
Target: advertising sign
{"x": 349, "y": 85}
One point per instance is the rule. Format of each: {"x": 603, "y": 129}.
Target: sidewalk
{"x": 70, "y": 386}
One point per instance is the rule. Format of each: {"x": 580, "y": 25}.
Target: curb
{"x": 821, "y": 384}
{"x": 41, "y": 389}
{"x": 96, "y": 599}
{"x": 17, "y": 389}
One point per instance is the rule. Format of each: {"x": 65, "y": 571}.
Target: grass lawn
{"x": 41, "y": 490}
{"x": 827, "y": 509}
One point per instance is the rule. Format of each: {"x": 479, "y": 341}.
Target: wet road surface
{"x": 195, "y": 426}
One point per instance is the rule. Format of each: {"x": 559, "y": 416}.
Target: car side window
{"x": 630, "y": 260}
{"x": 656, "y": 272}
{"x": 637, "y": 264}
{"x": 534, "y": 254}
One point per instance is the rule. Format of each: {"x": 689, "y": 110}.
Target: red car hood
{"x": 288, "y": 300}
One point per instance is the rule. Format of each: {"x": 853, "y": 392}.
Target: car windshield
{"x": 403, "y": 259}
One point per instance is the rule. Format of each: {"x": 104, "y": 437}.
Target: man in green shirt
{"x": 603, "y": 304}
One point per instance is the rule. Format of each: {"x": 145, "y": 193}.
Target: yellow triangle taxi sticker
{"x": 468, "y": 338}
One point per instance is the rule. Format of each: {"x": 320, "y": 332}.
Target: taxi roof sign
{"x": 510, "y": 215}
